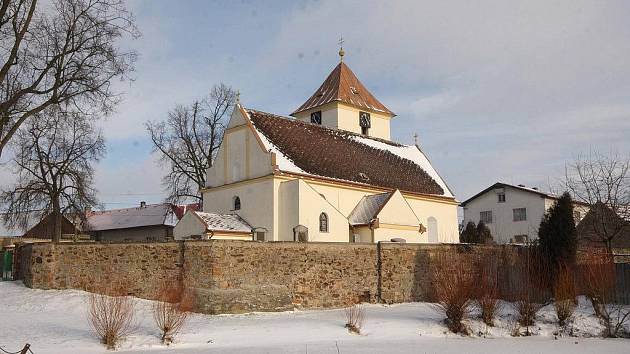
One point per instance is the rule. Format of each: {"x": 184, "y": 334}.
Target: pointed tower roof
{"x": 343, "y": 86}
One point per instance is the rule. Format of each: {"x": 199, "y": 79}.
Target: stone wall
{"x": 245, "y": 276}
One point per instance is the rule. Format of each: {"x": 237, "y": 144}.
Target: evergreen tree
{"x": 483, "y": 233}
{"x": 469, "y": 235}
{"x": 557, "y": 235}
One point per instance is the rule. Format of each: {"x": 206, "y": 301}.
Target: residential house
{"x": 328, "y": 173}
{"x": 45, "y": 228}
{"x": 601, "y": 223}
{"x": 513, "y": 212}
{"x": 147, "y": 222}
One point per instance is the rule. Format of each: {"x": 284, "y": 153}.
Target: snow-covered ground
{"x": 54, "y": 321}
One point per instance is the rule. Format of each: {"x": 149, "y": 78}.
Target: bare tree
{"x": 189, "y": 139}
{"x": 53, "y": 161}
{"x": 62, "y": 51}
{"x": 603, "y": 182}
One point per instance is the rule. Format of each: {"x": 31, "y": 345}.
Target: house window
{"x": 365, "y": 122}
{"x": 501, "y": 197}
{"x": 237, "y": 203}
{"x": 316, "y": 117}
{"x": 520, "y": 214}
{"x": 577, "y": 216}
{"x": 323, "y": 222}
{"x": 486, "y": 217}
{"x": 432, "y": 228}
{"x": 522, "y": 239}
{"x": 260, "y": 235}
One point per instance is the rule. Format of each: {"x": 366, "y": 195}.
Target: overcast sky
{"x": 496, "y": 90}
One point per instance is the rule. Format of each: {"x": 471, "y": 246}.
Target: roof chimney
{"x": 143, "y": 204}
{"x": 521, "y": 185}
{"x": 535, "y": 188}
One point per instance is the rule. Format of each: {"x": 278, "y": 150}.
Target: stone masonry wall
{"x": 245, "y": 276}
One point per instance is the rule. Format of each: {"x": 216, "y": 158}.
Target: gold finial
{"x": 238, "y": 96}
{"x": 341, "y": 52}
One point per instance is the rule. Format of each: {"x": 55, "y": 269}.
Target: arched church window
{"x": 237, "y": 203}
{"x": 323, "y": 222}
{"x": 316, "y": 117}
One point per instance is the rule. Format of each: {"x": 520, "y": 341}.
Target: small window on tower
{"x": 316, "y": 117}
{"x": 365, "y": 122}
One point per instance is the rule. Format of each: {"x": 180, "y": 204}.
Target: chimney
{"x": 521, "y": 185}
{"x": 535, "y": 188}
{"x": 143, "y": 204}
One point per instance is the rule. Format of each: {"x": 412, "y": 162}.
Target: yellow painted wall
{"x": 257, "y": 199}
{"x": 384, "y": 233}
{"x": 342, "y": 116}
{"x": 300, "y": 204}
{"x": 187, "y": 226}
{"x": 445, "y": 214}
{"x": 397, "y": 211}
{"x": 240, "y": 156}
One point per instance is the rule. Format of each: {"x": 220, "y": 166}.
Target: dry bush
{"x": 597, "y": 279}
{"x": 564, "y": 294}
{"x": 531, "y": 292}
{"x": 355, "y": 316}
{"x": 488, "y": 290}
{"x": 111, "y": 313}
{"x": 171, "y": 308}
{"x": 453, "y": 289}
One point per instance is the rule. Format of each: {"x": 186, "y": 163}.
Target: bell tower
{"x": 342, "y": 102}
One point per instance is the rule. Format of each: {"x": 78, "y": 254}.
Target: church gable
{"x": 241, "y": 156}
{"x": 397, "y": 211}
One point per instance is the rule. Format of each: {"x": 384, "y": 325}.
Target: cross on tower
{"x": 341, "y": 52}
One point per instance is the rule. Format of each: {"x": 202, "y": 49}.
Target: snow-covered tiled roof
{"x": 223, "y": 222}
{"x": 368, "y": 208}
{"x": 311, "y": 149}
{"x": 148, "y": 215}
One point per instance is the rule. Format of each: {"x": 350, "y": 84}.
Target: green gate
{"x": 7, "y": 264}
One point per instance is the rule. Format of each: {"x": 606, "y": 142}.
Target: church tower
{"x": 342, "y": 102}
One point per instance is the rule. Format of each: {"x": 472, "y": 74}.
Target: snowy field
{"x": 54, "y": 321}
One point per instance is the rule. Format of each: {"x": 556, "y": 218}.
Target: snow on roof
{"x": 224, "y": 222}
{"x": 148, "y": 215}
{"x": 411, "y": 153}
{"x": 314, "y": 150}
{"x": 367, "y": 208}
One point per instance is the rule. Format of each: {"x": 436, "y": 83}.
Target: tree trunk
{"x": 56, "y": 237}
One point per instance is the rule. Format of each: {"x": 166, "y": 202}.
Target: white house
{"x": 329, "y": 173}
{"x": 513, "y": 213}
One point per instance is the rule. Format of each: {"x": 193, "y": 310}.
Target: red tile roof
{"x": 339, "y": 154}
{"x": 343, "y": 86}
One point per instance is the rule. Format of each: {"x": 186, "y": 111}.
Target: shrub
{"x": 355, "y": 315}
{"x": 532, "y": 271}
{"x": 111, "y": 313}
{"x": 598, "y": 283}
{"x": 564, "y": 294}
{"x": 453, "y": 286}
{"x": 170, "y": 310}
{"x": 488, "y": 290}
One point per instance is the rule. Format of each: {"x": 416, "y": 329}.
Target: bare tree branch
{"x": 54, "y": 157}
{"x": 189, "y": 139}
{"x": 63, "y": 52}
{"x": 603, "y": 182}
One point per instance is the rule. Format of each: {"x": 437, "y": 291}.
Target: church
{"x": 328, "y": 173}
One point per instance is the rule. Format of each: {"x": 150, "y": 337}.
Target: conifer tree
{"x": 557, "y": 235}
{"x": 469, "y": 235}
